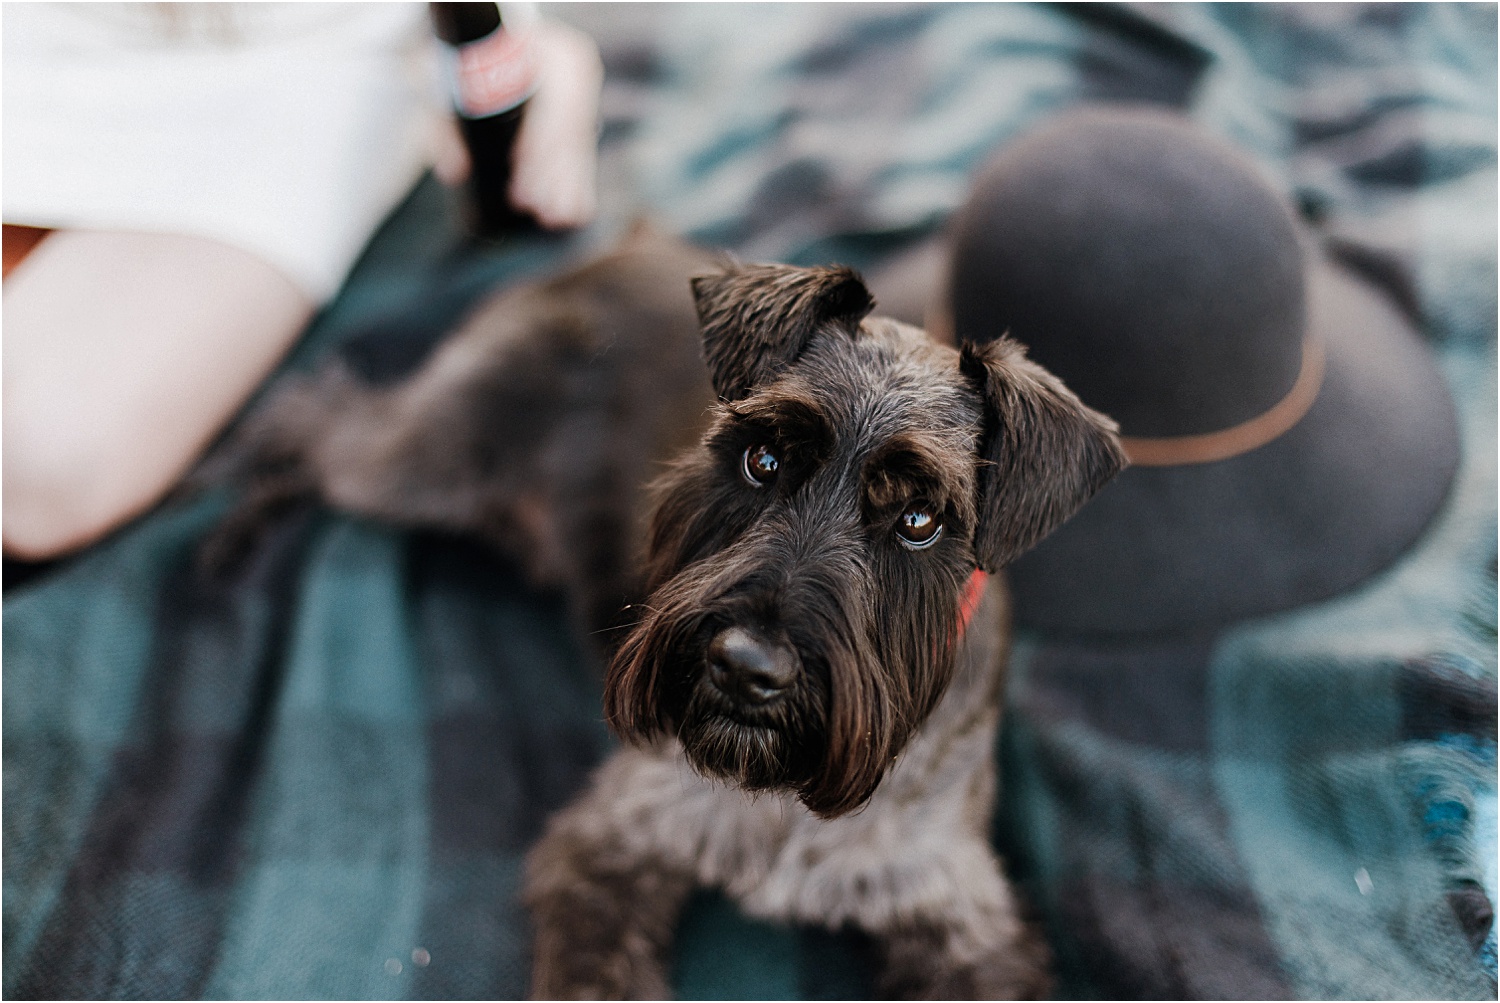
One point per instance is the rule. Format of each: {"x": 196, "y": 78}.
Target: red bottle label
{"x": 493, "y": 74}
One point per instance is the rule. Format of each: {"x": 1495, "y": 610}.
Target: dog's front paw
{"x": 568, "y": 964}
{"x": 930, "y": 963}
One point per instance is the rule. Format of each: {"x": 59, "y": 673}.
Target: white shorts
{"x": 288, "y": 130}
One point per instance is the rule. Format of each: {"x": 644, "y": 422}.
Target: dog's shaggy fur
{"x": 810, "y": 726}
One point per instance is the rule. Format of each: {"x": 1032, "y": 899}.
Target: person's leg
{"x": 124, "y": 354}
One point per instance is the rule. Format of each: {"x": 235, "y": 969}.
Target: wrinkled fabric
{"x": 316, "y": 777}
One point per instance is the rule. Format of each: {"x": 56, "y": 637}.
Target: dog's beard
{"x": 799, "y": 744}
{"x": 778, "y": 747}
{"x": 658, "y": 684}
{"x": 829, "y": 741}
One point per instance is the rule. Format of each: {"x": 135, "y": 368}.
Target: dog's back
{"x": 535, "y": 426}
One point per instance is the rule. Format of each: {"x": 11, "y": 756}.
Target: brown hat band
{"x": 1181, "y": 450}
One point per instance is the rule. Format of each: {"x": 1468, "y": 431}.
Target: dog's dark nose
{"x": 748, "y": 668}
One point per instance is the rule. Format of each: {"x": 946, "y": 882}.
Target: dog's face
{"x": 808, "y": 561}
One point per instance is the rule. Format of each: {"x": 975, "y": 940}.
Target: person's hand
{"x": 554, "y": 161}
{"x": 553, "y": 171}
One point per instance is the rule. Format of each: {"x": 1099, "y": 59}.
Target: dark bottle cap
{"x": 461, "y": 23}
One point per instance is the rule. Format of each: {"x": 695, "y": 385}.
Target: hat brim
{"x": 1329, "y": 503}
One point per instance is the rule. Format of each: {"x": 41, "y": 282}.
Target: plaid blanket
{"x": 316, "y": 778}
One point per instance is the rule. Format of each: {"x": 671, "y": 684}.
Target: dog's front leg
{"x": 601, "y": 932}
{"x": 996, "y": 958}
{"x": 603, "y": 917}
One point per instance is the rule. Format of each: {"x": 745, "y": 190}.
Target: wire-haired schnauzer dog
{"x": 810, "y": 690}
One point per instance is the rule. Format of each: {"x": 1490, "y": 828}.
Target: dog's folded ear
{"x": 757, "y": 319}
{"x": 1043, "y": 452}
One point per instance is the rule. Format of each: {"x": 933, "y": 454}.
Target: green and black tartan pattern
{"x": 317, "y": 778}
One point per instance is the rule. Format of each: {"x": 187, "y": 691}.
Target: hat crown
{"x": 1146, "y": 264}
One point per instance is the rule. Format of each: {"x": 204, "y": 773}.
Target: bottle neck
{"x": 493, "y": 74}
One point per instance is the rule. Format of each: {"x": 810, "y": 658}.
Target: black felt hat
{"x": 1289, "y": 432}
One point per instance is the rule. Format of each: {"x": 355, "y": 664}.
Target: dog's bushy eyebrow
{"x": 797, "y": 419}
{"x": 909, "y": 466}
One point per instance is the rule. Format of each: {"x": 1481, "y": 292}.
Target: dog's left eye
{"x": 759, "y": 465}
{"x": 919, "y": 527}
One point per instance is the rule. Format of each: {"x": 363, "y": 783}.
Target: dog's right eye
{"x": 759, "y": 465}
{"x": 919, "y": 528}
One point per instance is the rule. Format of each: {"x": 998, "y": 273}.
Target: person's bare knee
{"x": 59, "y": 495}
{"x": 124, "y": 354}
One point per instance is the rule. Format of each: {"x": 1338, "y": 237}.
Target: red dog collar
{"x": 973, "y": 593}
